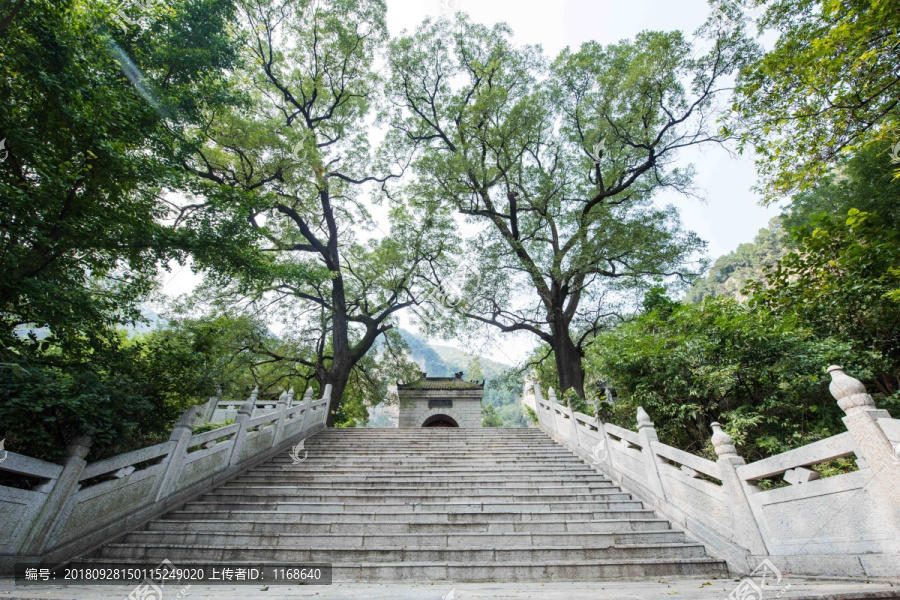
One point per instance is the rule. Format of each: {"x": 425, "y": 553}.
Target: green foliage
{"x": 127, "y": 393}
{"x": 842, "y": 281}
{"x": 656, "y": 300}
{"x": 503, "y": 393}
{"x": 572, "y": 399}
{"x": 89, "y": 151}
{"x": 543, "y": 366}
{"x": 204, "y": 427}
{"x": 124, "y": 394}
{"x": 761, "y": 375}
{"x": 865, "y": 182}
{"x": 489, "y": 417}
{"x": 829, "y": 84}
{"x": 532, "y": 416}
{"x": 513, "y": 414}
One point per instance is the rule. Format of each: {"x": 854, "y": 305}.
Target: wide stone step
{"x": 593, "y": 570}
{"x": 436, "y": 471}
{"x": 302, "y": 495}
{"x": 398, "y": 526}
{"x": 424, "y": 504}
{"x": 402, "y": 513}
{"x": 412, "y": 447}
{"x": 405, "y": 540}
{"x": 374, "y": 481}
{"x": 335, "y": 507}
{"x": 416, "y": 432}
{"x": 462, "y": 461}
{"x": 288, "y": 486}
{"x": 178, "y": 553}
{"x": 414, "y": 480}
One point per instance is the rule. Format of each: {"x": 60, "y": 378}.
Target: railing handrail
{"x": 732, "y": 515}
{"x": 56, "y": 531}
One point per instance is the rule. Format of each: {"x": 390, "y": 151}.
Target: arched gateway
{"x": 440, "y": 402}
{"x": 440, "y": 421}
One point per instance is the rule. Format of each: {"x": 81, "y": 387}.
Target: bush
{"x": 762, "y": 376}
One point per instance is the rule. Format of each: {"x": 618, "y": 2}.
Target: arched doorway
{"x": 440, "y": 421}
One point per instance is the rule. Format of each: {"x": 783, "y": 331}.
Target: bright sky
{"x": 731, "y": 214}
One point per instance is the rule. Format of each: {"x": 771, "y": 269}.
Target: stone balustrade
{"x": 843, "y": 525}
{"x": 77, "y": 506}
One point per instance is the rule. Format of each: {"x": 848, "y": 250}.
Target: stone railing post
{"x": 603, "y": 449}
{"x": 326, "y": 396}
{"x": 243, "y": 415}
{"x": 574, "y": 422}
{"x": 647, "y": 435}
{"x": 307, "y": 400}
{"x": 744, "y": 525}
{"x": 281, "y": 409}
{"x": 290, "y": 398}
{"x": 60, "y": 497}
{"x": 181, "y": 435}
{"x": 211, "y": 406}
{"x": 548, "y": 422}
{"x": 873, "y": 446}
{"x": 554, "y": 404}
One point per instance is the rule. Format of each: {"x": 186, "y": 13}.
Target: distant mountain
{"x": 731, "y": 272}
{"x": 444, "y": 361}
{"x": 154, "y": 321}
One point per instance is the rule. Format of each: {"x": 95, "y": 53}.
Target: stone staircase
{"x": 425, "y": 504}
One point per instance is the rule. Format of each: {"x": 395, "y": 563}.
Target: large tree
{"x": 557, "y": 167}
{"x": 297, "y": 162}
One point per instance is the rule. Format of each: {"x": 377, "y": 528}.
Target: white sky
{"x": 731, "y": 214}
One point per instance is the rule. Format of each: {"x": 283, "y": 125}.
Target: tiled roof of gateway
{"x": 441, "y": 383}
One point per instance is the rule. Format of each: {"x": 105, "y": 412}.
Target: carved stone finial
{"x": 290, "y": 396}
{"x": 219, "y": 392}
{"x": 848, "y": 391}
{"x": 308, "y": 394}
{"x": 79, "y": 446}
{"x": 187, "y": 418}
{"x": 247, "y": 407}
{"x": 254, "y": 396}
{"x": 643, "y": 419}
{"x": 722, "y": 442}
{"x": 283, "y": 398}
{"x": 552, "y": 395}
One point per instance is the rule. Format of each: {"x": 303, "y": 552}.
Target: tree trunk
{"x": 568, "y": 363}
{"x": 339, "y": 373}
{"x": 338, "y": 379}
{"x": 567, "y": 353}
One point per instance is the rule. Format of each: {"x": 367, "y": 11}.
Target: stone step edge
{"x": 562, "y": 521}
{"x": 413, "y": 485}
{"x": 415, "y": 534}
{"x": 404, "y": 512}
{"x": 588, "y": 563}
{"x": 296, "y": 492}
{"x": 687, "y": 544}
